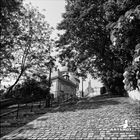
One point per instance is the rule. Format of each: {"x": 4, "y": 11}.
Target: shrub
{"x": 30, "y": 88}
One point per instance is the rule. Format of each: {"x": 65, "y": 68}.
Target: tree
{"x": 9, "y": 27}
{"x": 123, "y": 26}
{"x": 89, "y": 42}
{"x": 10, "y": 4}
{"x": 132, "y": 73}
{"x": 86, "y": 41}
{"x": 31, "y": 43}
{"x": 85, "y": 34}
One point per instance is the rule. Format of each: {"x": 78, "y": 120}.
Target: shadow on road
{"x": 87, "y": 103}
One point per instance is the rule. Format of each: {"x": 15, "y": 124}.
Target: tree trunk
{"x": 10, "y": 89}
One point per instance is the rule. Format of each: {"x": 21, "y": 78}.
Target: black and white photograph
{"x": 69, "y": 69}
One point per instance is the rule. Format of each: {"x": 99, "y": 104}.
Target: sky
{"x": 54, "y": 10}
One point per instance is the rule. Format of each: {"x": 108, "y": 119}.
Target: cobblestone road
{"x": 97, "y": 118}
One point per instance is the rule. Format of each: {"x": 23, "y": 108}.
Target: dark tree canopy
{"x": 9, "y": 9}
{"x": 100, "y": 38}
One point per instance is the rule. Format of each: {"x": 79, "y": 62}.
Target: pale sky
{"x": 54, "y": 10}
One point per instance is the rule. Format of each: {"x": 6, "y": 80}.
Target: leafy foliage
{"x": 84, "y": 36}
{"x": 25, "y": 44}
{"x": 9, "y": 31}
{"x": 132, "y": 78}
{"x": 100, "y": 37}
{"x": 30, "y": 88}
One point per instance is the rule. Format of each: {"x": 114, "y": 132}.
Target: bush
{"x": 30, "y": 88}
{"x": 113, "y": 83}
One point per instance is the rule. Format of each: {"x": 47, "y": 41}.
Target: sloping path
{"x": 94, "y": 118}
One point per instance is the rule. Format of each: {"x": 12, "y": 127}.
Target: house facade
{"x": 64, "y": 85}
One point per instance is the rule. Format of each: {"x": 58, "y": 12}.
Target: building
{"x": 92, "y": 91}
{"x": 64, "y": 84}
{"x": 89, "y": 90}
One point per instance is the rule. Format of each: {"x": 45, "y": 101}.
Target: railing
{"x": 23, "y": 103}
{"x": 7, "y": 113}
{"x": 19, "y": 105}
{"x": 7, "y": 102}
